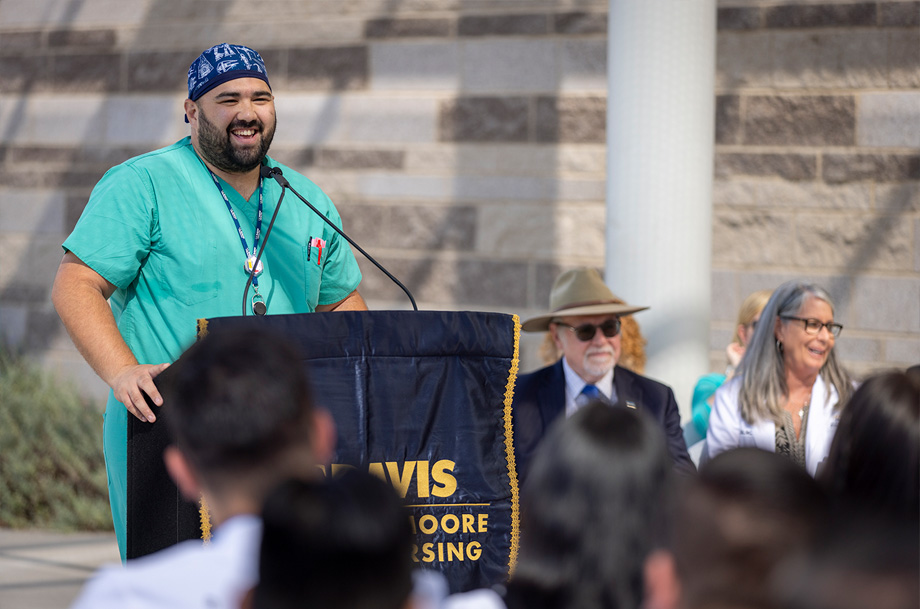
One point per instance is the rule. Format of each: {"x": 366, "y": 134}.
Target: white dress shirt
{"x": 214, "y": 576}
{"x": 574, "y": 384}
{"x": 483, "y": 598}
{"x": 187, "y": 575}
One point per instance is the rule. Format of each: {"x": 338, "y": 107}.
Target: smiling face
{"x": 233, "y": 124}
{"x": 592, "y": 359}
{"x": 805, "y": 354}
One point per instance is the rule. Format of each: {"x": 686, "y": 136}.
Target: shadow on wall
{"x": 32, "y": 326}
{"x": 30, "y": 323}
{"x": 486, "y": 278}
{"x": 874, "y": 236}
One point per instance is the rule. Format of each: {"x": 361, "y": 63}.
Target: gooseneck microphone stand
{"x": 275, "y": 172}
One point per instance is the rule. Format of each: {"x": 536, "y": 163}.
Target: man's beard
{"x": 596, "y": 368}
{"x": 218, "y": 149}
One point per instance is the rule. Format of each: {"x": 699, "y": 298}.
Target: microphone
{"x": 275, "y": 172}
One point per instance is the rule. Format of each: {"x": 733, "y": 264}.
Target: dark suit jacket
{"x": 539, "y": 399}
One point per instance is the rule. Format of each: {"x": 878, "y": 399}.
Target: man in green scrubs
{"x": 169, "y": 237}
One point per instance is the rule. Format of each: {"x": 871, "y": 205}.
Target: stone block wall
{"x": 464, "y": 143}
{"x": 817, "y": 166}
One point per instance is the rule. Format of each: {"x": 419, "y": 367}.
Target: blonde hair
{"x": 750, "y": 308}
{"x": 632, "y": 354}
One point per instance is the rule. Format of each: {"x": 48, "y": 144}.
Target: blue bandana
{"x": 222, "y": 63}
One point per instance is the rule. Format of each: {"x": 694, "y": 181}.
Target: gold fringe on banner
{"x": 202, "y": 328}
{"x": 203, "y": 511}
{"x": 509, "y": 447}
{"x": 205, "y": 522}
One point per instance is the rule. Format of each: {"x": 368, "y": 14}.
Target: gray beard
{"x": 598, "y": 370}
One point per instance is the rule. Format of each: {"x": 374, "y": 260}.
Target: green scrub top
{"x": 158, "y": 229}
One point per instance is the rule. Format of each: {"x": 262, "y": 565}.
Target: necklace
{"x": 804, "y": 405}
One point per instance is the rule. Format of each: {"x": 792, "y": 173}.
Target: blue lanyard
{"x": 239, "y": 229}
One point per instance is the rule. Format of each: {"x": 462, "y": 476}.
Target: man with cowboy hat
{"x": 584, "y": 321}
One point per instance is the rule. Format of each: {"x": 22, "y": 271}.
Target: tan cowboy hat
{"x": 579, "y": 292}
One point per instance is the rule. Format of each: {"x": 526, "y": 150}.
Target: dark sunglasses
{"x": 586, "y": 332}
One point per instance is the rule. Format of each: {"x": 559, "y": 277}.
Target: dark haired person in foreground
{"x": 592, "y": 511}
{"x": 874, "y": 462}
{"x": 859, "y": 562}
{"x": 733, "y": 525}
{"x": 869, "y": 556}
{"x": 343, "y": 543}
{"x": 242, "y": 418}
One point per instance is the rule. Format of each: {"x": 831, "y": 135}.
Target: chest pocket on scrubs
{"x": 313, "y": 275}
{"x": 197, "y": 281}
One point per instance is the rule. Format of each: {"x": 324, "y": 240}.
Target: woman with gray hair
{"x": 788, "y": 389}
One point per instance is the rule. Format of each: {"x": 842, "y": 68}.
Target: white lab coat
{"x": 727, "y": 429}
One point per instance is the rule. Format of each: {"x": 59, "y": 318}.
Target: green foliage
{"x": 52, "y": 472}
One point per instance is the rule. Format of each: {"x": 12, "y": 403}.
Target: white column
{"x": 660, "y": 137}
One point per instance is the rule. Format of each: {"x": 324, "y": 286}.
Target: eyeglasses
{"x": 586, "y": 332}
{"x": 813, "y": 326}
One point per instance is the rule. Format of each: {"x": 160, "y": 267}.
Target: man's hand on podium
{"x": 132, "y": 383}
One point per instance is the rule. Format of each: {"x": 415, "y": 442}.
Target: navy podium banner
{"x": 421, "y": 399}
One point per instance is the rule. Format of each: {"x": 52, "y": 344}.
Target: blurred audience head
{"x": 744, "y": 514}
{"x": 874, "y": 461}
{"x": 342, "y": 543}
{"x": 241, "y": 416}
{"x": 858, "y": 562}
{"x": 591, "y": 511}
